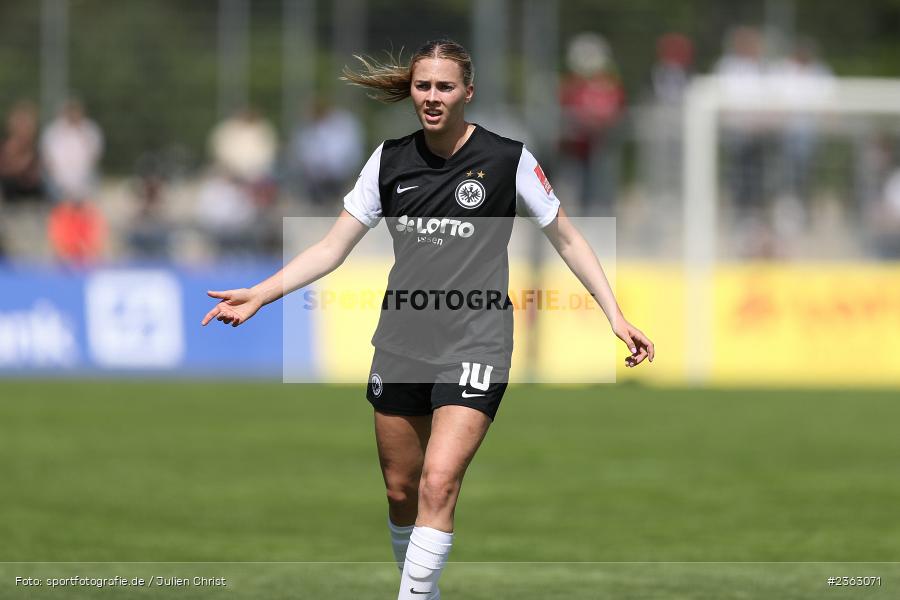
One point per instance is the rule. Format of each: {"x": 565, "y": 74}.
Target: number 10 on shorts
{"x": 472, "y": 372}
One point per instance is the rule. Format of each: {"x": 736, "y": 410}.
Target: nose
{"x": 432, "y": 95}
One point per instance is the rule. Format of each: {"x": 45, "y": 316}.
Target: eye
{"x": 422, "y": 85}
{"x": 447, "y": 87}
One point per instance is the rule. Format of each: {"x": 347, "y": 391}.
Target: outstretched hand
{"x": 639, "y": 344}
{"x": 236, "y": 306}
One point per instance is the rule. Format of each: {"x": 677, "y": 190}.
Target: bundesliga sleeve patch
{"x": 544, "y": 181}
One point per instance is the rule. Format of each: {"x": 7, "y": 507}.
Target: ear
{"x": 470, "y": 91}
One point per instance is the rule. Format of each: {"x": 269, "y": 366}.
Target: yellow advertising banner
{"x": 809, "y": 325}
{"x": 770, "y": 325}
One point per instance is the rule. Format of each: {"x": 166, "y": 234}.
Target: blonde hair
{"x": 390, "y": 81}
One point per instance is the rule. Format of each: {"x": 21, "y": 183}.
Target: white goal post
{"x": 706, "y": 98}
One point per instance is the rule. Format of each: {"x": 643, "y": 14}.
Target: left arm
{"x": 581, "y": 260}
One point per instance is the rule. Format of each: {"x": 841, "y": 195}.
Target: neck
{"x": 446, "y": 143}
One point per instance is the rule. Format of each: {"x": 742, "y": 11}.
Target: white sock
{"x": 425, "y": 559}
{"x": 399, "y": 541}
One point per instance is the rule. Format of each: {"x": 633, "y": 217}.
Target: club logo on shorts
{"x": 470, "y": 193}
{"x": 377, "y": 385}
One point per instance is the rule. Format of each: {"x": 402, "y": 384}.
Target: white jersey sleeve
{"x": 534, "y": 194}
{"x": 364, "y": 200}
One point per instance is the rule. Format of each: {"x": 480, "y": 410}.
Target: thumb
{"x": 226, "y": 295}
{"x": 630, "y": 343}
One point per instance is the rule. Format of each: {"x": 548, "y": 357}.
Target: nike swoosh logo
{"x": 413, "y": 591}
{"x": 400, "y": 190}
{"x": 468, "y": 395}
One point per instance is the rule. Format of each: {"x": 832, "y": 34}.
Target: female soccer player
{"x": 449, "y": 192}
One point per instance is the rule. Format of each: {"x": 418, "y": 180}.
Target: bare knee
{"x": 402, "y": 497}
{"x": 439, "y": 489}
{"x": 402, "y": 490}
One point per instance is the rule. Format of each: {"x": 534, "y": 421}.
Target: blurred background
{"x": 748, "y": 151}
{"x": 719, "y": 136}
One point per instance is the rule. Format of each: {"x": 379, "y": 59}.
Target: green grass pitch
{"x": 602, "y": 492}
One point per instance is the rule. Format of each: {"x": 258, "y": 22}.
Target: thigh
{"x": 456, "y": 434}
{"x": 401, "y": 441}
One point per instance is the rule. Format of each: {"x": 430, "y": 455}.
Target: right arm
{"x": 315, "y": 262}
{"x": 362, "y": 211}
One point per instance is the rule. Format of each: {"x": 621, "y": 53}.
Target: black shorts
{"x": 405, "y": 386}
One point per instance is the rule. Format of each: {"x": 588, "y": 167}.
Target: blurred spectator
{"x": 878, "y": 189}
{"x": 20, "y": 168}
{"x": 592, "y": 100}
{"x": 77, "y": 232}
{"x": 874, "y": 154}
{"x": 325, "y": 154}
{"x": 745, "y": 133}
{"x": 671, "y": 71}
{"x": 71, "y": 147}
{"x": 227, "y": 213}
{"x": 244, "y": 146}
{"x": 886, "y": 222}
{"x": 800, "y": 79}
{"x": 661, "y": 129}
{"x": 150, "y": 233}
{"x": 233, "y": 202}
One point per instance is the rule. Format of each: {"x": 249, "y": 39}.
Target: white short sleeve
{"x": 364, "y": 200}
{"x": 534, "y": 194}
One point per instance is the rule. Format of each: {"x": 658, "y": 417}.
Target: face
{"x": 439, "y": 94}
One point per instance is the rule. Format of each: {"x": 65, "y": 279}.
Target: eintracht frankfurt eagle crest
{"x": 470, "y": 193}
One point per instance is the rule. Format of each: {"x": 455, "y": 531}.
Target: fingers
{"x": 209, "y": 316}
{"x": 229, "y": 318}
{"x": 645, "y": 343}
{"x": 626, "y": 337}
{"x": 640, "y": 345}
{"x": 636, "y": 358}
{"x": 631, "y": 360}
{"x": 222, "y": 312}
{"x": 639, "y": 358}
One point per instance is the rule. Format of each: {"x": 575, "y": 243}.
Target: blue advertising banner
{"x": 139, "y": 319}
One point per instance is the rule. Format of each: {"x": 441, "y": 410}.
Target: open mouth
{"x": 432, "y": 115}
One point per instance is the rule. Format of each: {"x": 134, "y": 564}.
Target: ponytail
{"x": 390, "y": 81}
